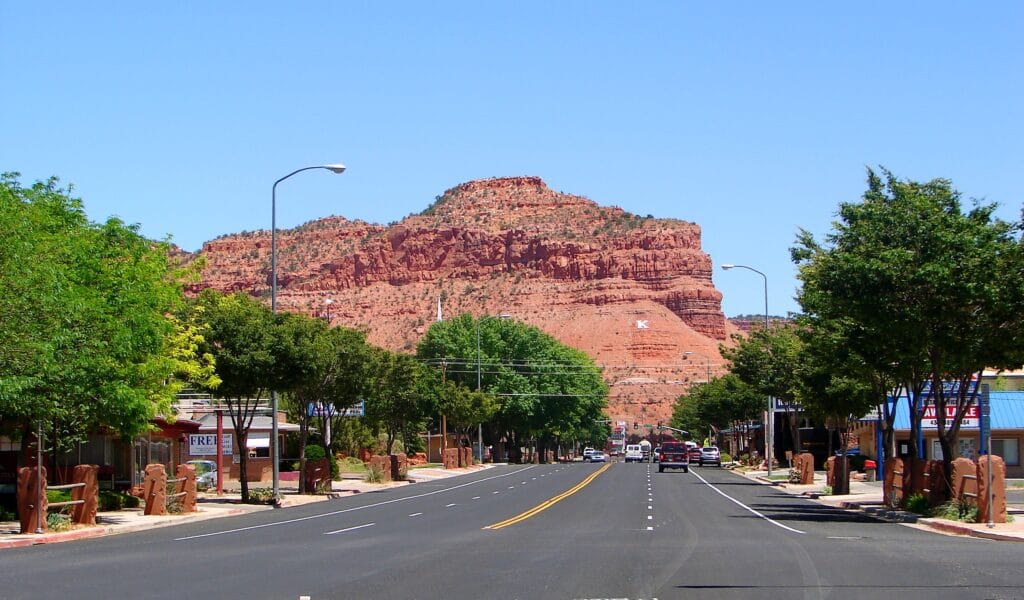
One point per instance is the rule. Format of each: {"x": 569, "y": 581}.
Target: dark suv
{"x": 673, "y": 456}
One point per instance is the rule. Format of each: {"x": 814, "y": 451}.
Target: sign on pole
{"x": 205, "y": 444}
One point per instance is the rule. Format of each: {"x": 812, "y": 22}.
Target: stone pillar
{"x": 154, "y": 490}
{"x": 830, "y": 471}
{"x": 383, "y": 463}
{"x": 29, "y": 514}
{"x": 317, "y": 472}
{"x": 451, "y": 458}
{"x": 892, "y": 487}
{"x": 187, "y": 475}
{"x": 965, "y": 484}
{"x": 998, "y": 507}
{"x": 85, "y": 513}
{"x": 935, "y": 482}
{"x": 806, "y": 468}
{"x": 399, "y": 466}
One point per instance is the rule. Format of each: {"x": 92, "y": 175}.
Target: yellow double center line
{"x": 548, "y": 503}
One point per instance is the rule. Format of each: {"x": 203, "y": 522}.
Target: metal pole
{"x": 39, "y": 476}
{"x": 274, "y": 443}
{"x": 479, "y": 426}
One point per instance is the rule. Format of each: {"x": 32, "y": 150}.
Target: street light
{"x": 480, "y": 426}
{"x": 275, "y": 449}
{"x": 769, "y": 436}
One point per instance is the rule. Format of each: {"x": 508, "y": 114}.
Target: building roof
{"x": 1007, "y": 411}
{"x": 259, "y": 423}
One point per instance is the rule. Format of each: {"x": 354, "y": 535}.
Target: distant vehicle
{"x": 598, "y": 456}
{"x": 634, "y": 453}
{"x": 587, "y": 453}
{"x": 673, "y": 456}
{"x": 206, "y": 473}
{"x": 693, "y": 453}
{"x": 710, "y": 455}
{"x": 656, "y": 453}
{"x": 645, "y": 449}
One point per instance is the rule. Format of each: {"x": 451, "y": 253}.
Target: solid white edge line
{"x": 354, "y": 508}
{"x": 349, "y": 529}
{"x": 724, "y": 495}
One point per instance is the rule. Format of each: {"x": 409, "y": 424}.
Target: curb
{"x": 950, "y": 527}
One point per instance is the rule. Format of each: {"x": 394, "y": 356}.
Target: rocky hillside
{"x": 633, "y": 292}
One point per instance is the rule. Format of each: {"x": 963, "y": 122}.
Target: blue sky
{"x": 752, "y": 119}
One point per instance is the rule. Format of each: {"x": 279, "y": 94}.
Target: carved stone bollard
{"x": 893, "y": 485}
{"x": 154, "y": 490}
{"x": 29, "y": 514}
{"x": 399, "y": 466}
{"x": 965, "y": 484}
{"x": 85, "y": 513}
{"x": 998, "y": 507}
{"x": 187, "y": 485}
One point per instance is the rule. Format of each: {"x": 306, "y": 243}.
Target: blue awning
{"x": 1007, "y": 411}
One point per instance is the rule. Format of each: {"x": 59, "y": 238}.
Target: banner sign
{"x": 971, "y": 416}
{"x": 326, "y": 409}
{"x": 205, "y": 444}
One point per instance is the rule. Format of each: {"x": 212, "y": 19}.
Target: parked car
{"x": 673, "y": 456}
{"x": 206, "y": 473}
{"x": 634, "y": 453}
{"x": 587, "y": 453}
{"x": 655, "y": 455}
{"x": 709, "y": 455}
{"x": 598, "y": 456}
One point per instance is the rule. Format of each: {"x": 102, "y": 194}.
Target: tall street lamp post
{"x": 275, "y": 449}
{"x": 769, "y": 436}
{"x": 479, "y": 426}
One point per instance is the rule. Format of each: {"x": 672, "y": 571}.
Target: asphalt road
{"x": 549, "y": 531}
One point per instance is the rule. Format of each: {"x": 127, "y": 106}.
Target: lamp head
{"x": 335, "y": 168}
{"x": 727, "y": 266}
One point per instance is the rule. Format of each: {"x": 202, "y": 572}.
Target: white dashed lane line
{"x": 349, "y": 529}
{"x": 415, "y": 514}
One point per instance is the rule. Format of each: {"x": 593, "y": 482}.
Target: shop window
{"x": 1008, "y": 450}
{"x": 968, "y": 449}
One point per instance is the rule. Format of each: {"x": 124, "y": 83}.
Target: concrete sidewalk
{"x": 867, "y": 497}
{"x": 212, "y": 506}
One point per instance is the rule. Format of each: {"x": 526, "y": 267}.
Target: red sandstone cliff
{"x": 634, "y": 293}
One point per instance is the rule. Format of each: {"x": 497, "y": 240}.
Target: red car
{"x": 694, "y": 454}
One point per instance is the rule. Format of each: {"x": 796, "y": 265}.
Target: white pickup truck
{"x": 634, "y": 453}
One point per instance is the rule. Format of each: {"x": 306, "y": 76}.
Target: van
{"x": 634, "y": 453}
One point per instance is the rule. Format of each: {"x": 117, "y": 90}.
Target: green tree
{"x": 330, "y": 374}
{"x": 928, "y": 292}
{"x": 548, "y": 392}
{"x": 394, "y": 401}
{"x": 88, "y": 341}
{"x": 243, "y": 338}
{"x": 725, "y": 402}
{"x": 768, "y": 361}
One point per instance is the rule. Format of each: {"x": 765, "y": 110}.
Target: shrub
{"x": 856, "y": 462}
{"x": 826, "y": 491}
{"x": 352, "y": 464}
{"x": 261, "y": 496}
{"x": 374, "y": 475}
{"x": 315, "y": 452}
{"x": 6, "y": 515}
{"x": 917, "y": 503}
{"x": 726, "y": 457}
{"x": 108, "y": 501}
{"x": 57, "y": 521}
{"x": 131, "y": 501}
{"x": 955, "y": 510}
{"x": 795, "y": 475}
